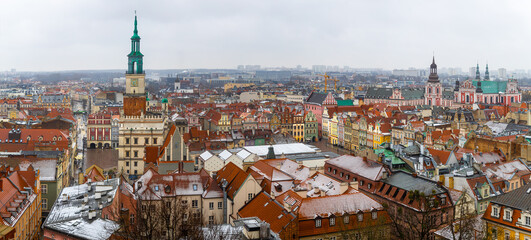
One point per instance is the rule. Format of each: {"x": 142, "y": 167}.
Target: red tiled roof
{"x": 235, "y": 177}
{"x": 440, "y": 156}
{"x": 269, "y": 210}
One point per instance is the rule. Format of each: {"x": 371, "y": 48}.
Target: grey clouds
{"x": 94, "y": 34}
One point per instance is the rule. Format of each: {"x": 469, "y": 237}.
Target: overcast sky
{"x": 95, "y": 34}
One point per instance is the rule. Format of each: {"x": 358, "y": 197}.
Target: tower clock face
{"x": 134, "y": 82}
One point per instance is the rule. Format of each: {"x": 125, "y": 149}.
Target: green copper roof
{"x": 135, "y": 32}
{"x": 491, "y": 86}
{"x": 347, "y": 102}
{"x": 165, "y": 100}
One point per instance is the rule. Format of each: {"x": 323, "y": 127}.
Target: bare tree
{"x": 465, "y": 223}
{"x": 166, "y": 218}
{"x": 410, "y": 223}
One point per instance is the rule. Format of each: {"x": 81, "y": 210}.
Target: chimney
{"x": 343, "y": 187}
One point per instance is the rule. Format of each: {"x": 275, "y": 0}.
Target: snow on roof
{"x": 47, "y": 168}
{"x": 206, "y": 155}
{"x": 243, "y": 154}
{"x": 70, "y": 213}
{"x": 506, "y": 170}
{"x": 287, "y": 149}
{"x": 339, "y": 204}
{"x": 225, "y": 155}
{"x": 366, "y": 168}
{"x": 324, "y": 183}
{"x": 97, "y": 229}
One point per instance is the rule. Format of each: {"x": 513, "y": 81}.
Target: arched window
{"x": 429, "y": 90}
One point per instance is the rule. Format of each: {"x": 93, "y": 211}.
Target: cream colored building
{"x": 135, "y": 134}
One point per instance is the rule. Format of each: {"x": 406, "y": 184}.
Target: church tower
{"x": 433, "y": 93}
{"x": 487, "y": 77}
{"x": 134, "y": 97}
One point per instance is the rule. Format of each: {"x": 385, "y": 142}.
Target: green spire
{"x": 478, "y": 77}
{"x": 487, "y": 73}
{"x": 135, "y": 32}
{"x": 135, "y": 63}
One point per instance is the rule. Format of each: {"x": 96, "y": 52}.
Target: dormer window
{"x": 194, "y": 187}
{"x": 332, "y": 221}
{"x": 318, "y": 222}
{"x": 508, "y": 214}
{"x": 495, "y": 211}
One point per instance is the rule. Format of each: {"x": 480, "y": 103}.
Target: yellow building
{"x": 333, "y": 137}
{"x": 229, "y": 86}
{"x": 508, "y": 215}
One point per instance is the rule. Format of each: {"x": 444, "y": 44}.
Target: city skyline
{"x": 191, "y": 35}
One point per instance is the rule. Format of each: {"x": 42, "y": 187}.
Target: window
{"x": 135, "y": 140}
{"x": 249, "y": 196}
{"x": 44, "y": 202}
{"x": 44, "y": 188}
{"x": 211, "y": 205}
{"x": 194, "y": 204}
{"x": 341, "y": 174}
{"x": 346, "y": 219}
{"x": 127, "y": 164}
{"x": 318, "y": 223}
{"x": 154, "y": 140}
{"x": 211, "y": 220}
{"x": 329, "y": 169}
{"x": 126, "y": 140}
{"x": 374, "y": 215}
{"x": 132, "y": 218}
{"x": 135, "y": 163}
{"x": 220, "y": 205}
{"x": 507, "y": 215}
{"x": 332, "y": 221}
{"x": 146, "y": 140}
{"x": 486, "y": 192}
{"x": 495, "y": 211}
{"x": 127, "y": 153}
{"x": 168, "y": 205}
{"x": 136, "y": 153}
{"x": 335, "y": 171}
{"x": 194, "y": 187}
{"x": 507, "y": 236}
{"x": 527, "y": 220}
{"x": 360, "y": 217}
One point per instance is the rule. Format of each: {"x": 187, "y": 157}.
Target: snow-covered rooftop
{"x": 73, "y": 216}
{"x": 286, "y": 149}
